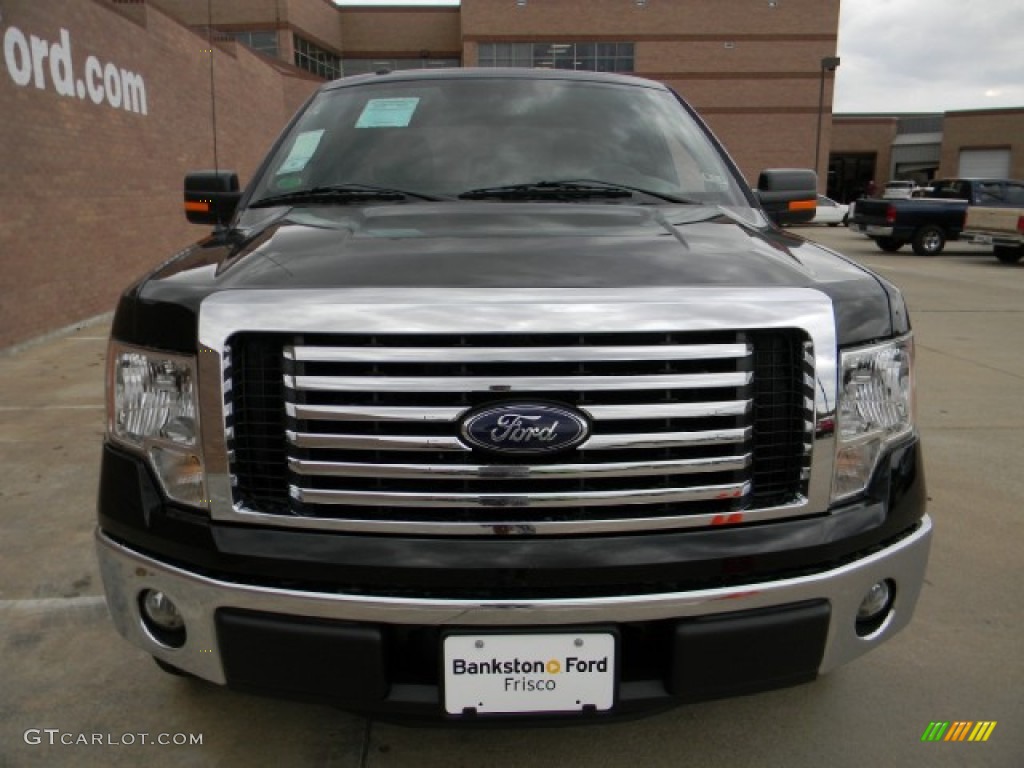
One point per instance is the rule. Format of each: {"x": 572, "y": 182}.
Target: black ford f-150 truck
{"x": 497, "y": 395}
{"x": 927, "y": 223}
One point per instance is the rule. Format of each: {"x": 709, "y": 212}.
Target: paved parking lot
{"x": 65, "y": 676}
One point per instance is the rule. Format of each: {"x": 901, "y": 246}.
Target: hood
{"x": 508, "y": 245}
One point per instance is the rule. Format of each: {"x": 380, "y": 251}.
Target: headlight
{"x": 152, "y": 407}
{"x": 875, "y": 409}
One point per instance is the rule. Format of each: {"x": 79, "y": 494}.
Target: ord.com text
{"x": 35, "y": 61}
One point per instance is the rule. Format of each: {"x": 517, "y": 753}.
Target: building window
{"x": 315, "y": 59}
{"x": 592, "y": 57}
{"x": 364, "y": 66}
{"x": 264, "y": 41}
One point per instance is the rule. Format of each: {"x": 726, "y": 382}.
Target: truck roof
{"x": 482, "y": 73}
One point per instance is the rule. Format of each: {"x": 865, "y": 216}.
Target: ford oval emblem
{"x": 525, "y": 428}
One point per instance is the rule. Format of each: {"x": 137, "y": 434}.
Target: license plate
{"x": 981, "y": 239}
{"x": 490, "y": 674}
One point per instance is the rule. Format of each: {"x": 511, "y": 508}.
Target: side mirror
{"x": 211, "y": 196}
{"x": 788, "y": 195}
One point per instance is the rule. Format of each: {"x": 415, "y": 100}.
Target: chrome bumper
{"x": 985, "y": 238}
{"x": 872, "y": 230}
{"x": 126, "y": 573}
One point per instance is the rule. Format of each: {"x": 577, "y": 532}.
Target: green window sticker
{"x": 387, "y": 113}
{"x": 302, "y": 150}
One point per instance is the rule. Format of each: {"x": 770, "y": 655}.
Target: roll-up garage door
{"x": 985, "y": 163}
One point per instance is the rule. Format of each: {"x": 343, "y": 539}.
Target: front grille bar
{"x": 451, "y": 414}
{"x": 383, "y": 384}
{"x": 447, "y": 443}
{"x": 539, "y": 354}
{"x": 519, "y": 501}
{"x": 518, "y": 471}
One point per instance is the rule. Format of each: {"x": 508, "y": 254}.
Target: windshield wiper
{"x": 565, "y": 190}
{"x": 338, "y": 193}
{"x": 640, "y": 190}
{"x": 545, "y": 190}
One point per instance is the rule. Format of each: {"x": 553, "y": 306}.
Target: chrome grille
{"x": 366, "y": 428}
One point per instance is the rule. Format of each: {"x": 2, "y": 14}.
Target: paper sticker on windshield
{"x": 302, "y": 150}
{"x": 387, "y": 113}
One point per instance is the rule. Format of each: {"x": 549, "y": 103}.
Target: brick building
{"x": 103, "y": 107}
{"x": 978, "y": 143}
{"x": 106, "y": 103}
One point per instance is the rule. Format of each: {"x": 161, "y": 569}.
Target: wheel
{"x": 170, "y": 669}
{"x": 1008, "y": 254}
{"x": 889, "y": 244}
{"x": 928, "y": 241}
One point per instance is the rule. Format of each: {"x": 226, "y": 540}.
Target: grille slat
{"x": 519, "y": 471}
{"x": 450, "y": 414}
{"x": 377, "y": 442}
{"x": 372, "y": 413}
{"x": 383, "y": 384}
{"x": 519, "y": 501}
{"x": 668, "y": 410}
{"x": 684, "y": 426}
{"x": 463, "y": 354}
{"x": 632, "y": 442}
{"x": 448, "y": 443}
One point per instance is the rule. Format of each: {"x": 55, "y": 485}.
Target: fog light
{"x": 875, "y": 607}
{"x": 162, "y": 618}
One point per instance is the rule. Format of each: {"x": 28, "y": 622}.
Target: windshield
{"x": 446, "y": 137}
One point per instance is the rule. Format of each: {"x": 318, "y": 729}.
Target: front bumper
{"x": 353, "y": 639}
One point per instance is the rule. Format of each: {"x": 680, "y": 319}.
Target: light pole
{"x": 828, "y": 64}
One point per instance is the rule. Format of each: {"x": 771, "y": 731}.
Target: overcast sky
{"x": 915, "y": 55}
{"x": 930, "y": 55}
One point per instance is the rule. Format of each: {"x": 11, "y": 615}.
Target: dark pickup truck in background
{"x": 927, "y": 223}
